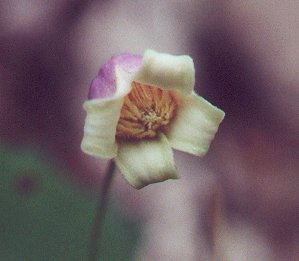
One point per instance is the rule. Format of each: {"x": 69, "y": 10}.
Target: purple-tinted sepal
{"x": 104, "y": 85}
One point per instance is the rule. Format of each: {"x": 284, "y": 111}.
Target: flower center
{"x": 146, "y": 111}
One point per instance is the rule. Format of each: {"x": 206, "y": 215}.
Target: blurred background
{"x": 241, "y": 202}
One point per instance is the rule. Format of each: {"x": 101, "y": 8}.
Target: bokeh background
{"x": 241, "y": 202}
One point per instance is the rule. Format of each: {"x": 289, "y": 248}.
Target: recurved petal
{"x": 167, "y": 71}
{"x": 195, "y": 125}
{"x": 147, "y": 161}
{"x": 100, "y": 127}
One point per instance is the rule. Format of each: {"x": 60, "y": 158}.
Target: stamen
{"x": 146, "y": 111}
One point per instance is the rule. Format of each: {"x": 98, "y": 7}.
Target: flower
{"x": 139, "y": 108}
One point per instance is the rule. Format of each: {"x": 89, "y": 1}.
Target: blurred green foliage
{"x": 44, "y": 217}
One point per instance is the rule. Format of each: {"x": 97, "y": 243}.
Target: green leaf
{"x": 45, "y": 217}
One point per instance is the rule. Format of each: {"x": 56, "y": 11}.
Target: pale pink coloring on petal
{"x": 104, "y": 84}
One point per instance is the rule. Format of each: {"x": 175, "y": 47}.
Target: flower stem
{"x": 97, "y": 228}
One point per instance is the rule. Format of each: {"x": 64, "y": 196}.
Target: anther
{"x": 146, "y": 111}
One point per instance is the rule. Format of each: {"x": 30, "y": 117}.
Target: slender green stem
{"x": 97, "y": 228}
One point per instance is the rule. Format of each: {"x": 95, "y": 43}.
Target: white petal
{"x": 145, "y": 162}
{"x": 195, "y": 125}
{"x": 123, "y": 82}
{"x": 100, "y": 127}
{"x": 167, "y": 71}
{"x": 102, "y": 118}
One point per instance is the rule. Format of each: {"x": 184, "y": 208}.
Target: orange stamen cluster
{"x": 146, "y": 111}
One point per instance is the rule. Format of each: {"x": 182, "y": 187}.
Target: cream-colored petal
{"x": 145, "y": 162}
{"x": 102, "y": 118}
{"x": 195, "y": 125}
{"x": 167, "y": 71}
{"x": 100, "y": 127}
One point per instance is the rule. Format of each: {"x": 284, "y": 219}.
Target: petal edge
{"x": 146, "y": 162}
{"x": 195, "y": 126}
{"x": 167, "y": 71}
{"x": 100, "y": 127}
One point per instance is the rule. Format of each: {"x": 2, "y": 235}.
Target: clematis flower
{"x": 139, "y": 108}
